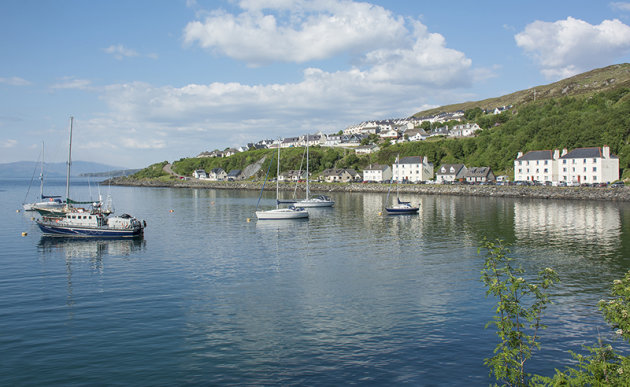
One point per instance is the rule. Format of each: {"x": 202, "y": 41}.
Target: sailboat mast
{"x": 68, "y": 168}
{"x": 41, "y": 175}
{"x": 278, "y": 180}
{"x": 307, "y": 187}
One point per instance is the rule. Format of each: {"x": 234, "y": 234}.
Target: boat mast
{"x": 69, "y": 163}
{"x": 41, "y": 175}
{"x": 307, "y": 188}
{"x": 278, "y": 180}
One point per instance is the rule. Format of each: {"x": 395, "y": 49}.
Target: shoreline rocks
{"x": 533, "y": 192}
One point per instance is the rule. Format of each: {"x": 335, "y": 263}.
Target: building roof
{"x": 217, "y": 170}
{"x": 585, "y": 153}
{"x": 376, "y": 167}
{"x": 234, "y": 172}
{"x": 410, "y": 160}
{"x": 447, "y": 169}
{"x": 537, "y": 155}
{"x": 478, "y": 172}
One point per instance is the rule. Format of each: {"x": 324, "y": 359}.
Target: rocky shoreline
{"x": 533, "y": 192}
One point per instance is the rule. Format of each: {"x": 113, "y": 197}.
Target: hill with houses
{"x": 587, "y": 110}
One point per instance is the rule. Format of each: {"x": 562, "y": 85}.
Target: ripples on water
{"x": 348, "y": 296}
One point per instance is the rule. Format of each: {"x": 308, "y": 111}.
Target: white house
{"x": 377, "y": 173}
{"x": 581, "y": 165}
{"x": 340, "y": 175}
{"x": 292, "y": 175}
{"x": 366, "y": 149}
{"x": 200, "y": 174}
{"x": 412, "y": 169}
{"x": 537, "y": 166}
{"x": 416, "y": 134}
{"x": 588, "y": 165}
{"x": 464, "y": 130}
{"x": 217, "y": 174}
{"x": 450, "y": 173}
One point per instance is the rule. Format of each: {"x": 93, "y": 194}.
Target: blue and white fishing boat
{"x": 79, "y": 222}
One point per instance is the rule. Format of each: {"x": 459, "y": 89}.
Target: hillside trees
{"x": 568, "y": 122}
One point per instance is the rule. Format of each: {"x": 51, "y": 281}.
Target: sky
{"x": 154, "y": 80}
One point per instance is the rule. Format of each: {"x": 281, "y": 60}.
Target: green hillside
{"x": 588, "y": 110}
{"x": 581, "y": 85}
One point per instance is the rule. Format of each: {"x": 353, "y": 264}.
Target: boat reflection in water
{"x": 91, "y": 248}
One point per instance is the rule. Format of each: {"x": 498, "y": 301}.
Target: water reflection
{"x": 596, "y": 225}
{"x": 90, "y": 248}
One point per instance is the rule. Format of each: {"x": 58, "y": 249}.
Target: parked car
{"x": 617, "y": 184}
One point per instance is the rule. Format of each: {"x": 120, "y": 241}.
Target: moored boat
{"x": 292, "y": 212}
{"x": 80, "y": 222}
{"x": 92, "y": 224}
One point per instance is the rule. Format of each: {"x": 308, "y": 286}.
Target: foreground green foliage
{"x": 520, "y": 306}
{"x": 603, "y": 366}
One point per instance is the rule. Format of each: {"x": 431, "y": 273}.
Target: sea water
{"x": 209, "y": 295}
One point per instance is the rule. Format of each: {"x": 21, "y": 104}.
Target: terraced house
{"x": 582, "y": 165}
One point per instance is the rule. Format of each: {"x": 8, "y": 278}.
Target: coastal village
{"x": 592, "y": 166}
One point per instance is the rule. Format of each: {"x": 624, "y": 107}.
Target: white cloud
{"x": 568, "y": 47}
{"x": 72, "y": 83}
{"x": 297, "y": 31}
{"x": 9, "y": 143}
{"x": 119, "y": 51}
{"x": 620, "y": 6}
{"x": 15, "y": 81}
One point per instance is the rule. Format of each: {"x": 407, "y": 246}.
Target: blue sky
{"x": 154, "y": 80}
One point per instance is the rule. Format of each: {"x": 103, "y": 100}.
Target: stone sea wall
{"x": 534, "y": 192}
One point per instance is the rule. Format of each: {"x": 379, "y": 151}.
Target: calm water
{"x": 346, "y": 297}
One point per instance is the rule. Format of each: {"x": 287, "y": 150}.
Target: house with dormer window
{"x": 448, "y": 173}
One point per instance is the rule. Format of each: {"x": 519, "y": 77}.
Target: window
{"x": 546, "y": 162}
{"x": 584, "y": 161}
{"x": 546, "y": 170}
{"x": 564, "y": 169}
{"x": 564, "y": 161}
{"x": 584, "y": 169}
{"x": 594, "y": 169}
{"x": 594, "y": 160}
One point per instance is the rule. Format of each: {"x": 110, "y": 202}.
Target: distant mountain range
{"x": 26, "y": 169}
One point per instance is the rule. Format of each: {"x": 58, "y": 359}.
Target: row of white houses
{"x": 582, "y": 165}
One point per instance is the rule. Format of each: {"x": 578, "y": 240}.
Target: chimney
{"x": 606, "y": 152}
{"x": 519, "y": 155}
{"x": 425, "y": 160}
{"x": 564, "y": 152}
{"x": 556, "y": 154}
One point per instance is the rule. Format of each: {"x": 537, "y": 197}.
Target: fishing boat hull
{"x": 282, "y": 213}
{"x": 97, "y": 232}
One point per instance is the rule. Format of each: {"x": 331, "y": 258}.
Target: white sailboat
{"x": 292, "y": 212}
{"x": 47, "y": 201}
{"x": 399, "y": 207}
{"x": 316, "y": 201}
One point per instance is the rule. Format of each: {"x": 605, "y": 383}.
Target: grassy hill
{"x": 587, "y": 110}
{"x": 581, "y": 85}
